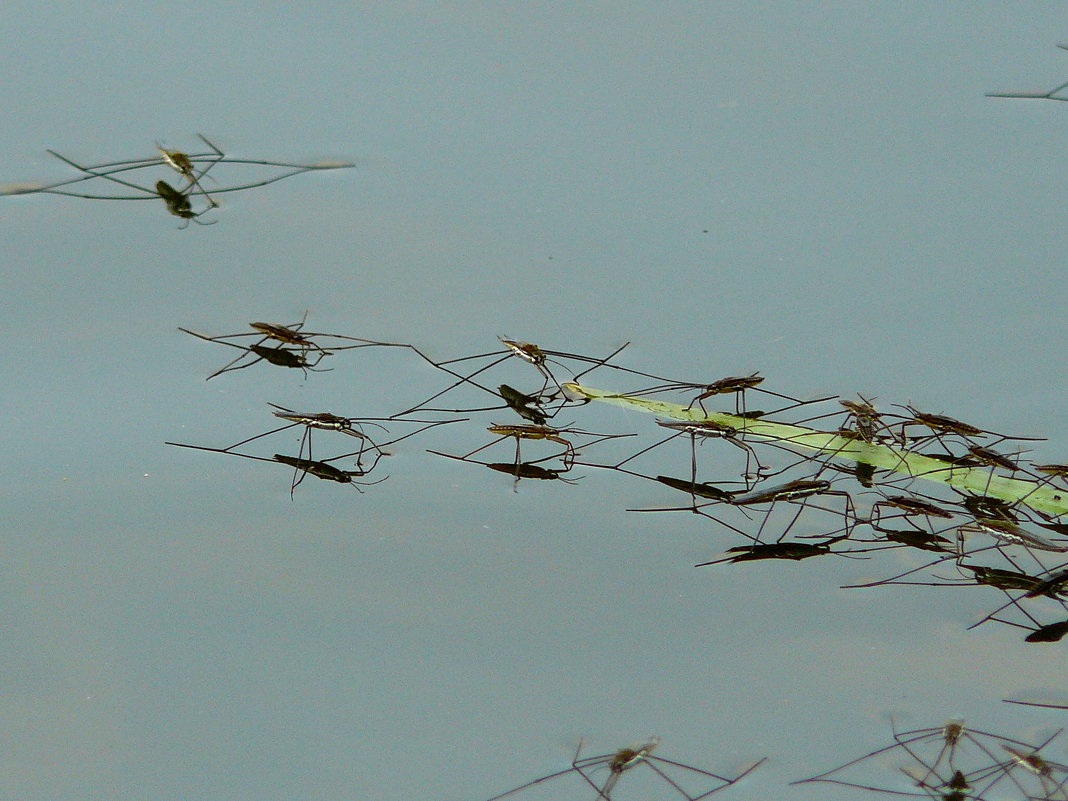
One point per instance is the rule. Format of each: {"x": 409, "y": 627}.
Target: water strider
{"x": 177, "y": 200}
{"x": 676, "y": 777}
{"x": 278, "y": 356}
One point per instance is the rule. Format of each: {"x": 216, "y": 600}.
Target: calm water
{"x": 821, "y": 193}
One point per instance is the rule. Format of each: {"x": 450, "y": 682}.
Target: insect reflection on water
{"x": 779, "y": 550}
{"x": 303, "y": 467}
{"x": 679, "y": 777}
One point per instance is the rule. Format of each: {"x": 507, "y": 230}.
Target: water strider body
{"x": 1010, "y": 532}
{"x": 674, "y": 776}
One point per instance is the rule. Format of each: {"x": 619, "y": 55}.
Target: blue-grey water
{"x": 819, "y": 191}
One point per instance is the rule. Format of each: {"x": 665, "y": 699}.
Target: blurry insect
{"x": 983, "y": 575}
{"x": 790, "y": 491}
{"x": 953, "y": 460}
{"x": 1014, "y": 581}
{"x": 941, "y": 422}
{"x": 1053, "y": 586}
{"x": 1053, "y": 470}
{"x": 1032, "y": 761}
{"x": 675, "y": 775}
{"x": 958, "y": 786}
{"x": 989, "y": 456}
{"x": 1042, "y": 770}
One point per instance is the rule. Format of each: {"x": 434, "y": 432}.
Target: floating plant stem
{"x": 979, "y": 480}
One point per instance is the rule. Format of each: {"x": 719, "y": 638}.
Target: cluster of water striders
{"x": 829, "y": 477}
{"x": 954, "y": 497}
{"x": 954, "y": 763}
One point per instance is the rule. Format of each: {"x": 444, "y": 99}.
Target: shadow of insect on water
{"x": 304, "y": 467}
